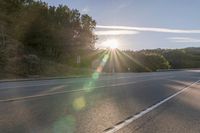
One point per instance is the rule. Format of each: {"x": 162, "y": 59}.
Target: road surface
{"x": 123, "y": 103}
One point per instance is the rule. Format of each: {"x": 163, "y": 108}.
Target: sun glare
{"x": 111, "y": 43}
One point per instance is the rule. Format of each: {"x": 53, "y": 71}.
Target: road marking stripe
{"x": 24, "y": 86}
{"x": 77, "y": 90}
{"x": 71, "y": 82}
{"x": 121, "y": 84}
{"x": 128, "y": 121}
{"x": 55, "y": 88}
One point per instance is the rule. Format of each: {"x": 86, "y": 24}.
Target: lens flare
{"x": 79, "y": 103}
{"x": 65, "y": 124}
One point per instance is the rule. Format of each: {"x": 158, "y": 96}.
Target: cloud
{"x": 115, "y": 32}
{"x": 85, "y": 10}
{"x": 149, "y": 29}
{"x": 184, "y": 40}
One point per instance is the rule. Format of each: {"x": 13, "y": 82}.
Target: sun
{"x": 111, "y": 43}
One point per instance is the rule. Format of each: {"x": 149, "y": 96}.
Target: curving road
{"x": 124, "y": 102}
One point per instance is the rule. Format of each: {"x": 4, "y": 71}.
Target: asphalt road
{"x": 159, "y": 102}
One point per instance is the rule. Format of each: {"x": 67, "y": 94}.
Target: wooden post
{"x": 2, "y": 35}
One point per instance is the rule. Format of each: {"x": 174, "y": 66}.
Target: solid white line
{"x": 77, "y": 90}
{"x": 56, "y": 88}
{"x": 121, "y": 84}
{"x": 137, "y": 116}
{"x": 36, "y": 96}
{"x": 24, "y": 86}
{"x": 20, "y": 85}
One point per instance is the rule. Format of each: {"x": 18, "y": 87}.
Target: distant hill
{"x": 179, "y": 58}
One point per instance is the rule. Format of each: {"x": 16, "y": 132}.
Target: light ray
{"x": 136, "y": 61}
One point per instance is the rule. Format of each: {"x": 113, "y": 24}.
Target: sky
{"x": 142, "y": 24}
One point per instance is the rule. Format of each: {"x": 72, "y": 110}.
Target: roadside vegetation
{"x": 37, "y": 39}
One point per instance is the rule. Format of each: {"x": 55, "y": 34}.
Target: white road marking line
{"x": 71, "y": 82}
{"x": 23, "y": 86}
{"x": 46, "y": 84}
{"x": 137, "y": 116}
{"x": 120, "y": 84}
{"x": 77, "y": 90}
{"x": 36, "y": 96}
{"x": 56, "y": 88}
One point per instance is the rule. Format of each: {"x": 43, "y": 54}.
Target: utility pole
{"x": 78, "y": 59}
{"x": 2, "y": 35}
